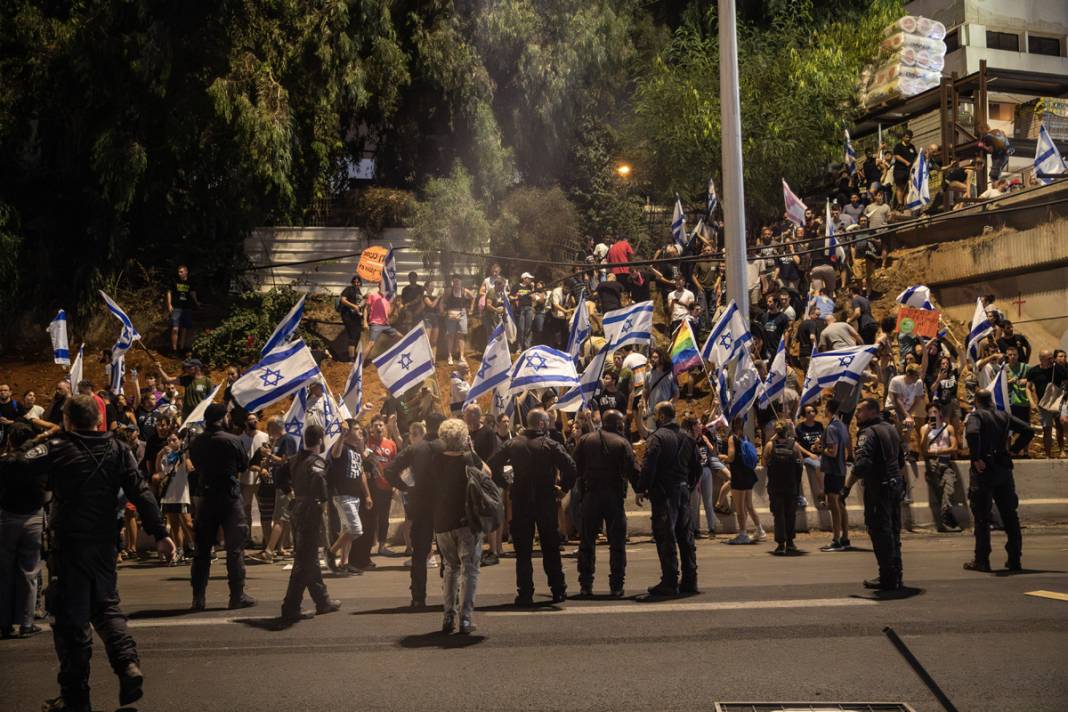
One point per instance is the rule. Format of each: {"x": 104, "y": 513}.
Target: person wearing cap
{"x": 196, "y": 386}
{"x": 523, "y": 305}
{"x": 219, "y": 458}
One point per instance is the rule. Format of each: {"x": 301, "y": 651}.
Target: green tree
{"x": 449, "y": 219}
{"x": 539, "y": 223}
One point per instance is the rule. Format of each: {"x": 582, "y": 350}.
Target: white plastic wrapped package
{"x": 890, "y": 72}
{"x": 914, "y": 25}
{"x": 899, "y": 40}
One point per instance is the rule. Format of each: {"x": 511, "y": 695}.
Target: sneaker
{"x": 130, "y": 683}
{"x": 353, "y": 570}
{"x": 559, "y": 596}
{"x": 780, "y": 550}
{"x": 791, "y": 549}
{"x": 448, "y": 624}
{"x": 983, "y": 566}
{"x": 384, "y": 550}
{"x": 845, "y": 545}
{"x": 57, "y": 704}
{"x": 450, "y": 363}
{"x": 801, "y": 501}
{"x": 296, "y": 616}
{"x": 490, "y": 559}
{"x": 264, "y": 556}
{"x": 28, "y": 631}
{"x": 432, "y": 562}
{"x": 761, "y": 535}
{"x": 742, "y": 538}
{"x": 332, "y": 606}
{"x": 467, "y": 627}
{"x": 242, "y": 601}
{"x": 833, "y": 546}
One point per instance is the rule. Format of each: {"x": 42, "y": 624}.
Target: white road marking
{"x": 622, "y": 609}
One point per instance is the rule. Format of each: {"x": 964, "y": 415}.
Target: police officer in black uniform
{"x": 879, "y": 462}
{"x": 535, "y": 459}
{"x": 990, "y": 480}
{"x": 423, "y": 460}
{"x": 605, "y": 463}
{"x": 84, "y": 469}
{"x": 669, "y": 472}
{"x": 307, "y": 473}
{"x": 219, "y": 458}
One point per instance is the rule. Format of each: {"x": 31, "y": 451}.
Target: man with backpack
{"x": 669, "y": 473}
{"x": 605, "y": 461}
{"x": 782, "y": 455}
{"x": 535, "y": 459}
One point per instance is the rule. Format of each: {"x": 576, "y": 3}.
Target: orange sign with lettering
{"x": 918, "y": 322}
{"x": 372, "y": 260}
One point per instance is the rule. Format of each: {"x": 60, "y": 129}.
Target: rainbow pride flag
{"x": 684, "y": 353}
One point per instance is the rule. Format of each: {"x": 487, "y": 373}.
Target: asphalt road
{"x": 763, "y": 628}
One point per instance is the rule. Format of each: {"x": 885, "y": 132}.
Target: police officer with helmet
{"x": 879, "y": 462}
{"x": 85, "y": 469}
{"x": 604, "y": 460}
{"x": 991, "y": 482}
{"x": 219, "y": 458}
{"x": 669, "y": 472}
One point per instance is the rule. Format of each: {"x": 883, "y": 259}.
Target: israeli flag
{"x": 795, "y": 208}
{"x": 589, "y": 382}
{"x": 999, "y": 389}
{"x": 496, "y": 365}
{"x": 511, "y": 329}
{"x": 129, "y": 333}
{"x": 196, "y": 416}
{"x": 352, "y": 396}
{"x": 280, "y": 373}
{"x": 542, "y": 367}
{"x": 580, "y": 328}
{"x": 389, "y": 276}
{"x": 406, "y": 363}
{"x": 296, "y": 415}
{"x": 747, "y": 387}
{"x": 333, "y": 413}
{"x": 629, "y": 325}
{"x": 116, "y": 370}
{"x": 917, "y": 296}
{"x": 919, "y": 196}
{"x": 830, "y": 243}
{"x": 728, "y": 337}
{"x": 775, "y": 383}
{"x": 827, "y": 368}
{"x": 57, "y": 329}
{"x": 75, "y": 374}
{"x": 503, "y": 401}
{"x": 713, "y": 199}
{"x": 678, "y": 226}
{"x": 123, "y": 344}
{"x": 981, "y": 328}
{"x": 286, "y": 328}
{"x": 850, "y": 155}
{"x": 724, "y": 392}
{"x": 1048, "y": 160}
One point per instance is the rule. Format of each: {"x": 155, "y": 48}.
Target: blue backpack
{"x": 749, "y": 454}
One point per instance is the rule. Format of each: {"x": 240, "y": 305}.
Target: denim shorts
{"x": 182, "y": 318}
{"x": 348, "y": 512}
{"x": 379, "y": 329}
{"x": 456, "y": 326}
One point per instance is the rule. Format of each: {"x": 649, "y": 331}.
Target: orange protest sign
{"x": 371, "y": 263}
{"x": 918, "y": 322}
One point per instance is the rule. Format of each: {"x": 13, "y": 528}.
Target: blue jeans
{"x": 706, "y": 490}
{"x": 525, "y": 325}
{"x": 20, "y": 558}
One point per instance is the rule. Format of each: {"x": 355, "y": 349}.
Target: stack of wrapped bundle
{"x": 915, "y": 54}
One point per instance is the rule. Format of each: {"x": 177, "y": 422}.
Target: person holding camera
{"x": 938, "y": 443}
{"x": 879, "y": 462}
{"x": 987, "y": 432}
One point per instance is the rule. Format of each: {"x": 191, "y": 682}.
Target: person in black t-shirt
{"x": 1046, "y": 374}
{"x": 608, "y": 396}
{"x": 609, "y": 295}
{"x": 1009, "y": 338}
{"x": 181, "y": 300}
{"x": 808, "y": 334}
{"x": 904, "y": 156}
{"x": 351, "y": 307}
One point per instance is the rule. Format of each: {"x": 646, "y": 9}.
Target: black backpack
{"x": 782, "y": 452}
{"x": 484, "y": 506}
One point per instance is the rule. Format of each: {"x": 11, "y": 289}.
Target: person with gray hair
{"x": 460, "y": 545}
{"x": 541, "y": 468}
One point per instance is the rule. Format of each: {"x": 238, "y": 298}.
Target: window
{"x": 1003, "y": 40}
{"x": 952, "y": 40}
{"x": 1044, "y": 45}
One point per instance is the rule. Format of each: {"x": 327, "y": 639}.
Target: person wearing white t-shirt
{"x": 680, "y": 302}
{"x": 905, "y": 398}
{"x": 253, "y": 439}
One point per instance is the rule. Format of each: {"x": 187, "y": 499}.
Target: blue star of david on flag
{"x": 487, "y": 361}
{"x": 405, "y": 361}
{"x": 627, "y": 326}
{"x": 537, "y": 362}
{"x": 726, "y": 341}
{"x": 270, "y": 377}
{"x": 846, "y": 360}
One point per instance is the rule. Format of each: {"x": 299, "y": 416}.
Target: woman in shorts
{"x": 456, "y": 300}
{"x": 743, "y": 479}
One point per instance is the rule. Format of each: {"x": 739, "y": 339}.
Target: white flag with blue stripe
{"x": 389, "y": 276}
{"x": 917, "y": 296}
{"x": 678, "y": 226}
{"x": 280, "y": 373}
{"x": 57, "y": 329}
{"x": 723, "y": 392}
{"x": 830, "y": 242}
{"x": 286, "y": 328}
{"x": 919, "y": 195}
{"x": 850, "y": 155}
{"x": 352, "y": 396}
{"x": 795, "y": 207}
{"x": 579, "y": 329}
{"x": 980, "y": 329}
{"x": 295, "y": 416}
{"x": 495, "y": 368}
{"x": 542, "y": 367}
{"x": 333, "y": 414}
{"x": 775, "y": 383}
{"x": 196, "y": 416}
{"x": 589, "y": 382}
{"x": 713, "y": 199}
{"x": 827, "y": 368}
{"x": 747, "y": 387}
{"x": 728, "y": 337}
{"x": 407, "y": 363}
{"x": 511, "y": 329}
{"x": 1048, "y": 161}
{"x": 125, "y": 341}
{"x": 629, "y": 325}
{"x": 116, "y": 371}
{"x": 999, "y": 389}
{"x": 75, "y": 374}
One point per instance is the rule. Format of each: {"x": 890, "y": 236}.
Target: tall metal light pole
{"x": 733, "y": 193}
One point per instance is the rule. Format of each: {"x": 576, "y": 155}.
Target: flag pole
{"x": 733, "y": 201}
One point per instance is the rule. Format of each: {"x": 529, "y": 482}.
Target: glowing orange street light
{"x": 623, "y": 170}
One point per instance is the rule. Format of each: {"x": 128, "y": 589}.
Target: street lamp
{"x": 623, "y": 170}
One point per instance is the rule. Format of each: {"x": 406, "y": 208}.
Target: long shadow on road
{"x": 438, "y": 639}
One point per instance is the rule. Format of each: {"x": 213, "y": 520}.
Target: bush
{"x": 379, "y": 208}
{"x": 237, "y": 340}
